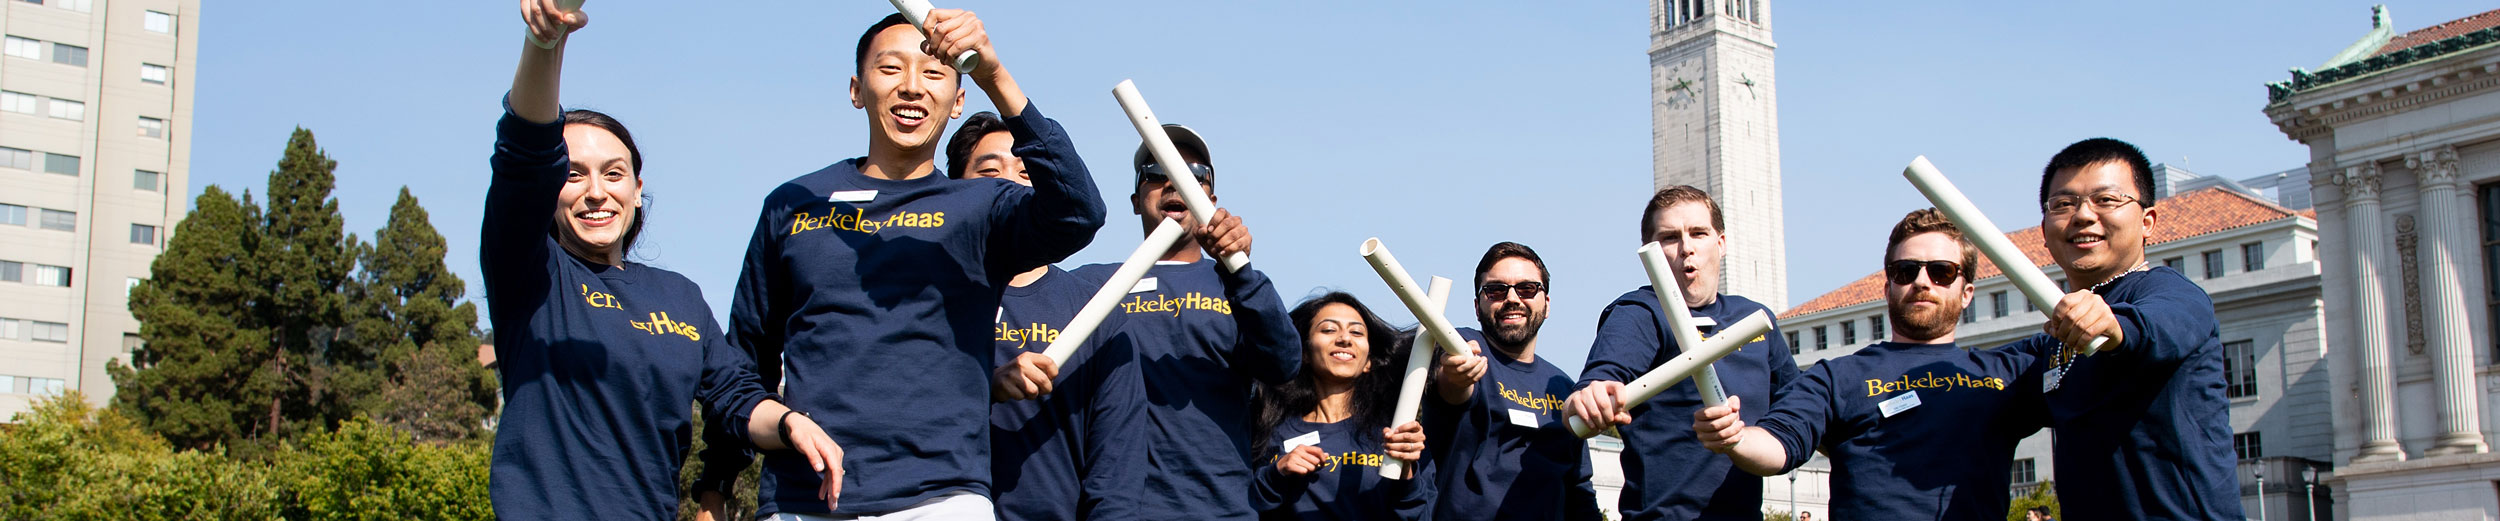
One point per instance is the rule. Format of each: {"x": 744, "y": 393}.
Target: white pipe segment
{"x": 917, "y": 10}
{"x": 1640, "y": 390}
{"x": 1444, "y": 336}
{"x": 1991, "y": 240}
{"x": 1090, "y": 316}
{"x": 569, "y": 6}
{"x": 1680, "y": 320}
{"x": 1418, "y": 374}
{"x": 1160, "y": 144}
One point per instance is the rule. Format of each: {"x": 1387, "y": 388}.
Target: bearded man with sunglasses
{"x": 1508, "y": 453}
{"x": 1916, "y": 427}
{"x": 1667, "y": 473}
{"x": 1201, "y": 334}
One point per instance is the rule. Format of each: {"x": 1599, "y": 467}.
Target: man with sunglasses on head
{"x": 1201, "y": 335}
{"x": 1667, "y": 473}
{"x": 1917, "y": 427}
{"x": 1508, "y": 454}
{"x": 2143, "y": 426}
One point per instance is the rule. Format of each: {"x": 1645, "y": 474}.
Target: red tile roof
{"x": 2192, "y": 214}
{"x": 2452, "y": 29}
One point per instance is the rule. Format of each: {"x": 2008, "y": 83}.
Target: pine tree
{"x": 304, "y": 261}
{"x": 406, "y": 309}
{"x": 192, "y": 380}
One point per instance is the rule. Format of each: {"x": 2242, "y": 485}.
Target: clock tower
{"x": 1714, "y": 124}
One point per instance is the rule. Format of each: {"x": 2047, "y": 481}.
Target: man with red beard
{"x": 1508, "y": 454}
{"x": 1667, "y": 474}
{"x": 1917, "y": 427}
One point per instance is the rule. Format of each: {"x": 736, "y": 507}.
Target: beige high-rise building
{"x": 1714, "y": 124}
{"x": 95, "y": 148}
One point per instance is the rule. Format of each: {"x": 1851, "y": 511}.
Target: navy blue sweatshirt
{"x": 2145, "y": 429}
{"x": 1072, "y": 454}
{"x": 1507, "y": 453}
{"x": 1346, "y": 486}
{"x": 1667, "y": 474}
{"x": 877, "y": 296}
{"x": 598, "y": 362}
{"x": 1942, "y": 449}
{"x": 1202, "y": 335}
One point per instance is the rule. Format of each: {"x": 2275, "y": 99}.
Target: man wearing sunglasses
{"x": 1917, "y": 427}
{"x": 2143, "y": 426}
{"x": 1201, "y": 335}
{"x": 1667, "y": 473}
{"x": 1508, "y": 454}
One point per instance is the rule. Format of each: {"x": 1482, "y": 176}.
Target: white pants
{"x": 950, "y": 506}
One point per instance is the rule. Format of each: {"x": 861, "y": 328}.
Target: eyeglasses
{"x": 1527, "y": 290}
{"x": 1904, "y": 272}
{"x": 1153, "y": 173}
{"x": 2101, "y": 201}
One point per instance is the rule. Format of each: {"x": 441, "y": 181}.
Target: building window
{"x": 2026, "y": 471}
{"x": 146, "y": 180}
{"x": 2490, "y": 196}
{"x": 2253, "y": 256}
{"x": 1970, "y": 314}
{"x": 1997, "y": 305}
{"x": 58, "y": 220}
{"x": 41, "y": 331}
{"x": 67, "y": 54}
{"x": 12, "y": 215}
{"x": 75, "y": 5}
{"x": 55, "y": 276}
{"x": 23, "y": 48}
{"x": 1792, "y": 343}
{"x": 9, "y": 331}
{"x": 1822, "y": 339}
{"x": 60, "y": 164}
{"x": 18, "y": 158}
{"x": 154, "y": 74}
{"x": 17, "y": 102}
{"x": 1875, "y": 324}
{"x": 2248, "y": 446}
{"x": 12, "y": 271}
{"x": 2239, "y": 368}
{"x": 2176, "y": 263}
{"x": 151, "y": 127}
{"x": 1848, "y": 333}
{"x": 159, "y": 22}
{"x": 69, "y": 110}
{"x": 131, "y": 284}
{"x": 2213, "y": 264}
{"x": 143, "y": 234}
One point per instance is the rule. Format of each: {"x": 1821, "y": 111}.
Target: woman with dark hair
{"x": 599, "y": 356}
{"x": 1324, "y": 434}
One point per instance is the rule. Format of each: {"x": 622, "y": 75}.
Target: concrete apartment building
{"x": 95, "y": 146}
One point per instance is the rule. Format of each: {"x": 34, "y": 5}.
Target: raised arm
{"x": 535, "y": 84}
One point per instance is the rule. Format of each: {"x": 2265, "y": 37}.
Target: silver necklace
{"x": 2058, "y": 374}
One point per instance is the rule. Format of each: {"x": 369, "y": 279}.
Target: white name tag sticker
{"x": 1899, "y": 403}
{"x": 1702, "y": 321}
{"x": 1143, "y": 285}
{"x": 853, "y": 196}
{"x": 1525, "y": 419}
{"x": 1310, "y": 438}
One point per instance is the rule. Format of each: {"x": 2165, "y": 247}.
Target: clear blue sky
{"x": 1440, "y": 129}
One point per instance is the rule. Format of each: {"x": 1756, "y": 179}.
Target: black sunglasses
{"x": 1527, "y": 290}
{"x": 1153, "y": 173}
{"x": 1904, "y": 272}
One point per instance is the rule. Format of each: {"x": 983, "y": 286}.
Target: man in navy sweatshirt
{"x": 1917, "y": 427}
{"x": 2143, "y": 427}
{"x": 1667, "y": 473}
{"x": 1062, "y": 455}
{"x": 875, "y": 280}
{"x": 1202, "y": 334}
{"x": 1495, "y": 429}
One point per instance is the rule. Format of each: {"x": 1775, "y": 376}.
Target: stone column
{"x": 2443, "y": 306}
{"x": 2378, "y": 387}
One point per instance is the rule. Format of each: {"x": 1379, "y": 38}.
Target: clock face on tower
{"x": 1679, "y": 85}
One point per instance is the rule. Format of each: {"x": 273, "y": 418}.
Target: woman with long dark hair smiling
{"x": 1324, "y": 434}
{"x": 600, "y": 356}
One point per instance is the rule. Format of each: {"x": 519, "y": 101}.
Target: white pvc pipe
{"x": 1438, "y": 327}
{"x": 917, "y": 10}
{"x": 1684, "y": 365}
{"x": 1418, "y": 373}
{"x": 1090, "y": 316}
{"x": 1991, "y": 240}
{"x": 1680, "y": 320}
{"x": 568, "y": 6}
{"x": 1175, "y": 167}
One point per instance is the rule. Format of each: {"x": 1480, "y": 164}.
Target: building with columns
{"x": 1714, "y": 124}
{"x": 2403, "y": 131}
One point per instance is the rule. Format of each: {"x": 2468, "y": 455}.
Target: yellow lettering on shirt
{"x": 1174, "y": 306}
{"x": 661, "y": 325}
{"x": 1036, "y": 332}
{"x": 1541, "y": 402}
{"x": 600, "y": 299}
{"x": 856, "y": 220}
{"x": 1929, "y": 380}
{"x": 1330, "y": 463}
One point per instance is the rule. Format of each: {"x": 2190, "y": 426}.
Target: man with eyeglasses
{"x": 2143, "y": 426}
{"x": 1667, "y": 473}
{"x": 1201, "y": 334}
{"x": 1916, "y": 427}
{"x": 1508, "y": 454}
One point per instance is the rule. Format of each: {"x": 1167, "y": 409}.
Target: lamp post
{"x": 2260, "y": 471}
{"x": 2309, "y": 484}
{"x": 1792, "y": 494}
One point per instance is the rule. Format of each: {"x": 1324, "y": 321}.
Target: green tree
{"x": 197, "y": 380}
{"x": 369, "y": 471}
{"x": 62, "y": 460}
{"x": 405, "y": 310}
{"x": 304, "y": 260}
{"x": 2044, "y": 495}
